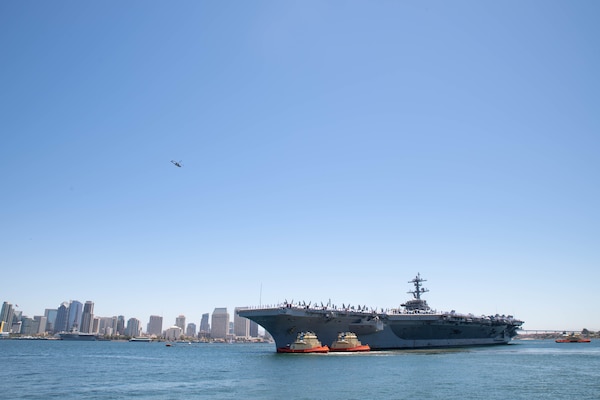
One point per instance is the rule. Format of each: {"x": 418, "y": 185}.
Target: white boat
{"x": 140, "y": 339}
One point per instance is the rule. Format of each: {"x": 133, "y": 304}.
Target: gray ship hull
{"x": 396, "y": 330}
{"x": 77, "y": 336}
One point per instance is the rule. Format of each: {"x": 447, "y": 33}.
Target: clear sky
{"x": 330, "y": 150}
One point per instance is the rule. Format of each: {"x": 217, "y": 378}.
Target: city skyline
{"x": 133, "y": 327}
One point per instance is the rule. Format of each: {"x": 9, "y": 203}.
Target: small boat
{"x": 74, "y": 334}
{"x": 306, "y": 342}
{"x": 348, "y": 341}
{"x": 572, "y": 338}
{"x": 140, "y": 339}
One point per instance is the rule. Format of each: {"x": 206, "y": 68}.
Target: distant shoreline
{"x": 555, "y": 335}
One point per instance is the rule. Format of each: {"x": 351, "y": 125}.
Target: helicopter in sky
{"x": 177, "y": 163}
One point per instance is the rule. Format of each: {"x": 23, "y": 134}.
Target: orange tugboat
{"x": 306, "y": 342}
{"x": 347, "y": 341}
{"x": 572, "y": 338}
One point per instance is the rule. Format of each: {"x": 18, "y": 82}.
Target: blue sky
{"x": 331, "y": 150}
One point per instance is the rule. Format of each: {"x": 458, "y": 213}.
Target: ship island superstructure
{"x": 413, "y": 325}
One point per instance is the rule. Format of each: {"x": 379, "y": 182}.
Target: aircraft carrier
{"x": 413, "y": 325}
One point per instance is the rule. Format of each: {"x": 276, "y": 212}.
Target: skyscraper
{"x": 27, "y": 326}
{"x": 87, "y": 318}
{"x": 180, "y": 322}
{"x": 40, "y": 323}
{"x": 6, "y": 317}
{"x": 107, "y": 326}
{"x": 155, "y": 325}
{"x": 133, "y": 327}
{"x": 204, "y": 331}
{"x": 120, "y": 325}
{"x": 220, "y": 323}
{"x": 241, "y": 325}
{"x": 50, "y": 315}
{"x": 191, "y": 330}
{"x": 74, "y": 319}
{"x": 62, "y": 318}
{"x": 253, "y": 329}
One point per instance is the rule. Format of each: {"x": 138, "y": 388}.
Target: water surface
{"x": 113, "y": 370}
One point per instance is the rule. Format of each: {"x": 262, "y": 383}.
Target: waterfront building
{"x": 180, "y": 322}
{"x": 253, "y": 329}
{"x": 204, "y": 326}
{"x": 96, "y": 325}
{"x": 16, "y": 326}
{"x": 219, "y": 323}
{"x": 154, "y": 326}
{"x": 31, "y": 326}
{"x": 62, "y": 318}
{"x": 87, "y": 318}
{"x": 120, "y": 325}
{"x": 74, "y": 318}
{"x": 191, "y": 330}
{"x": 173, "y": 333}
{"x": 40, "y": 322}
{"x": 133, "y": 327}
{"x": 50, "y": 314}
{"x": 27, "y": 326}
{"x": 107, "y": 325}
{"x": 114, "y": 324}
{"x": 17, "y": 315}
{"x": 241, "y": 325}
{"x": 6, "y": 317}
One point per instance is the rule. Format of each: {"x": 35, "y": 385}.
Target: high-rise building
{"x": 87, "y": 318}
{"x": 62, "y": 318}
{"x": 6, "y": 317}
{"x": 155, "y": 325}
{"x": 180, "y": 322}
{"x": 40, "y": 323}
{"x": 133, "y": 327}
{"x": 120, "y": 325}
{"x": 204, "y": 325}
{"x": 114, "y": 324}
{"x": 16, "y": 326}
{"x": 219, "y": 323}
{"x": 204, "y": 331}
{"x": 191, "y": 330}
{"x": 50, "y": 314}
{"x": 253, "y": 329}
{"x": 27, "y": 326}
{"x": 107, "y": 325}
{"x": 74, "y": 319}
{"x": 241, "y": 325}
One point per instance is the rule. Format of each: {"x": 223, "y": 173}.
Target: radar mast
{"x": 417, "y": 304}
{"x": 418, "y": 289}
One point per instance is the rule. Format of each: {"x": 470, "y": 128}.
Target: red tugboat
{"x": 306, "y": 342}
{"x": 572, "y": 338}
{"x": 347, "y": 341}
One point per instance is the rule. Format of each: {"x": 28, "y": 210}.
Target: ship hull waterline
{"x": 77, "y": 337}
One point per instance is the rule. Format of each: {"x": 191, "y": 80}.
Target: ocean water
{"x": 119, "y": 370}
